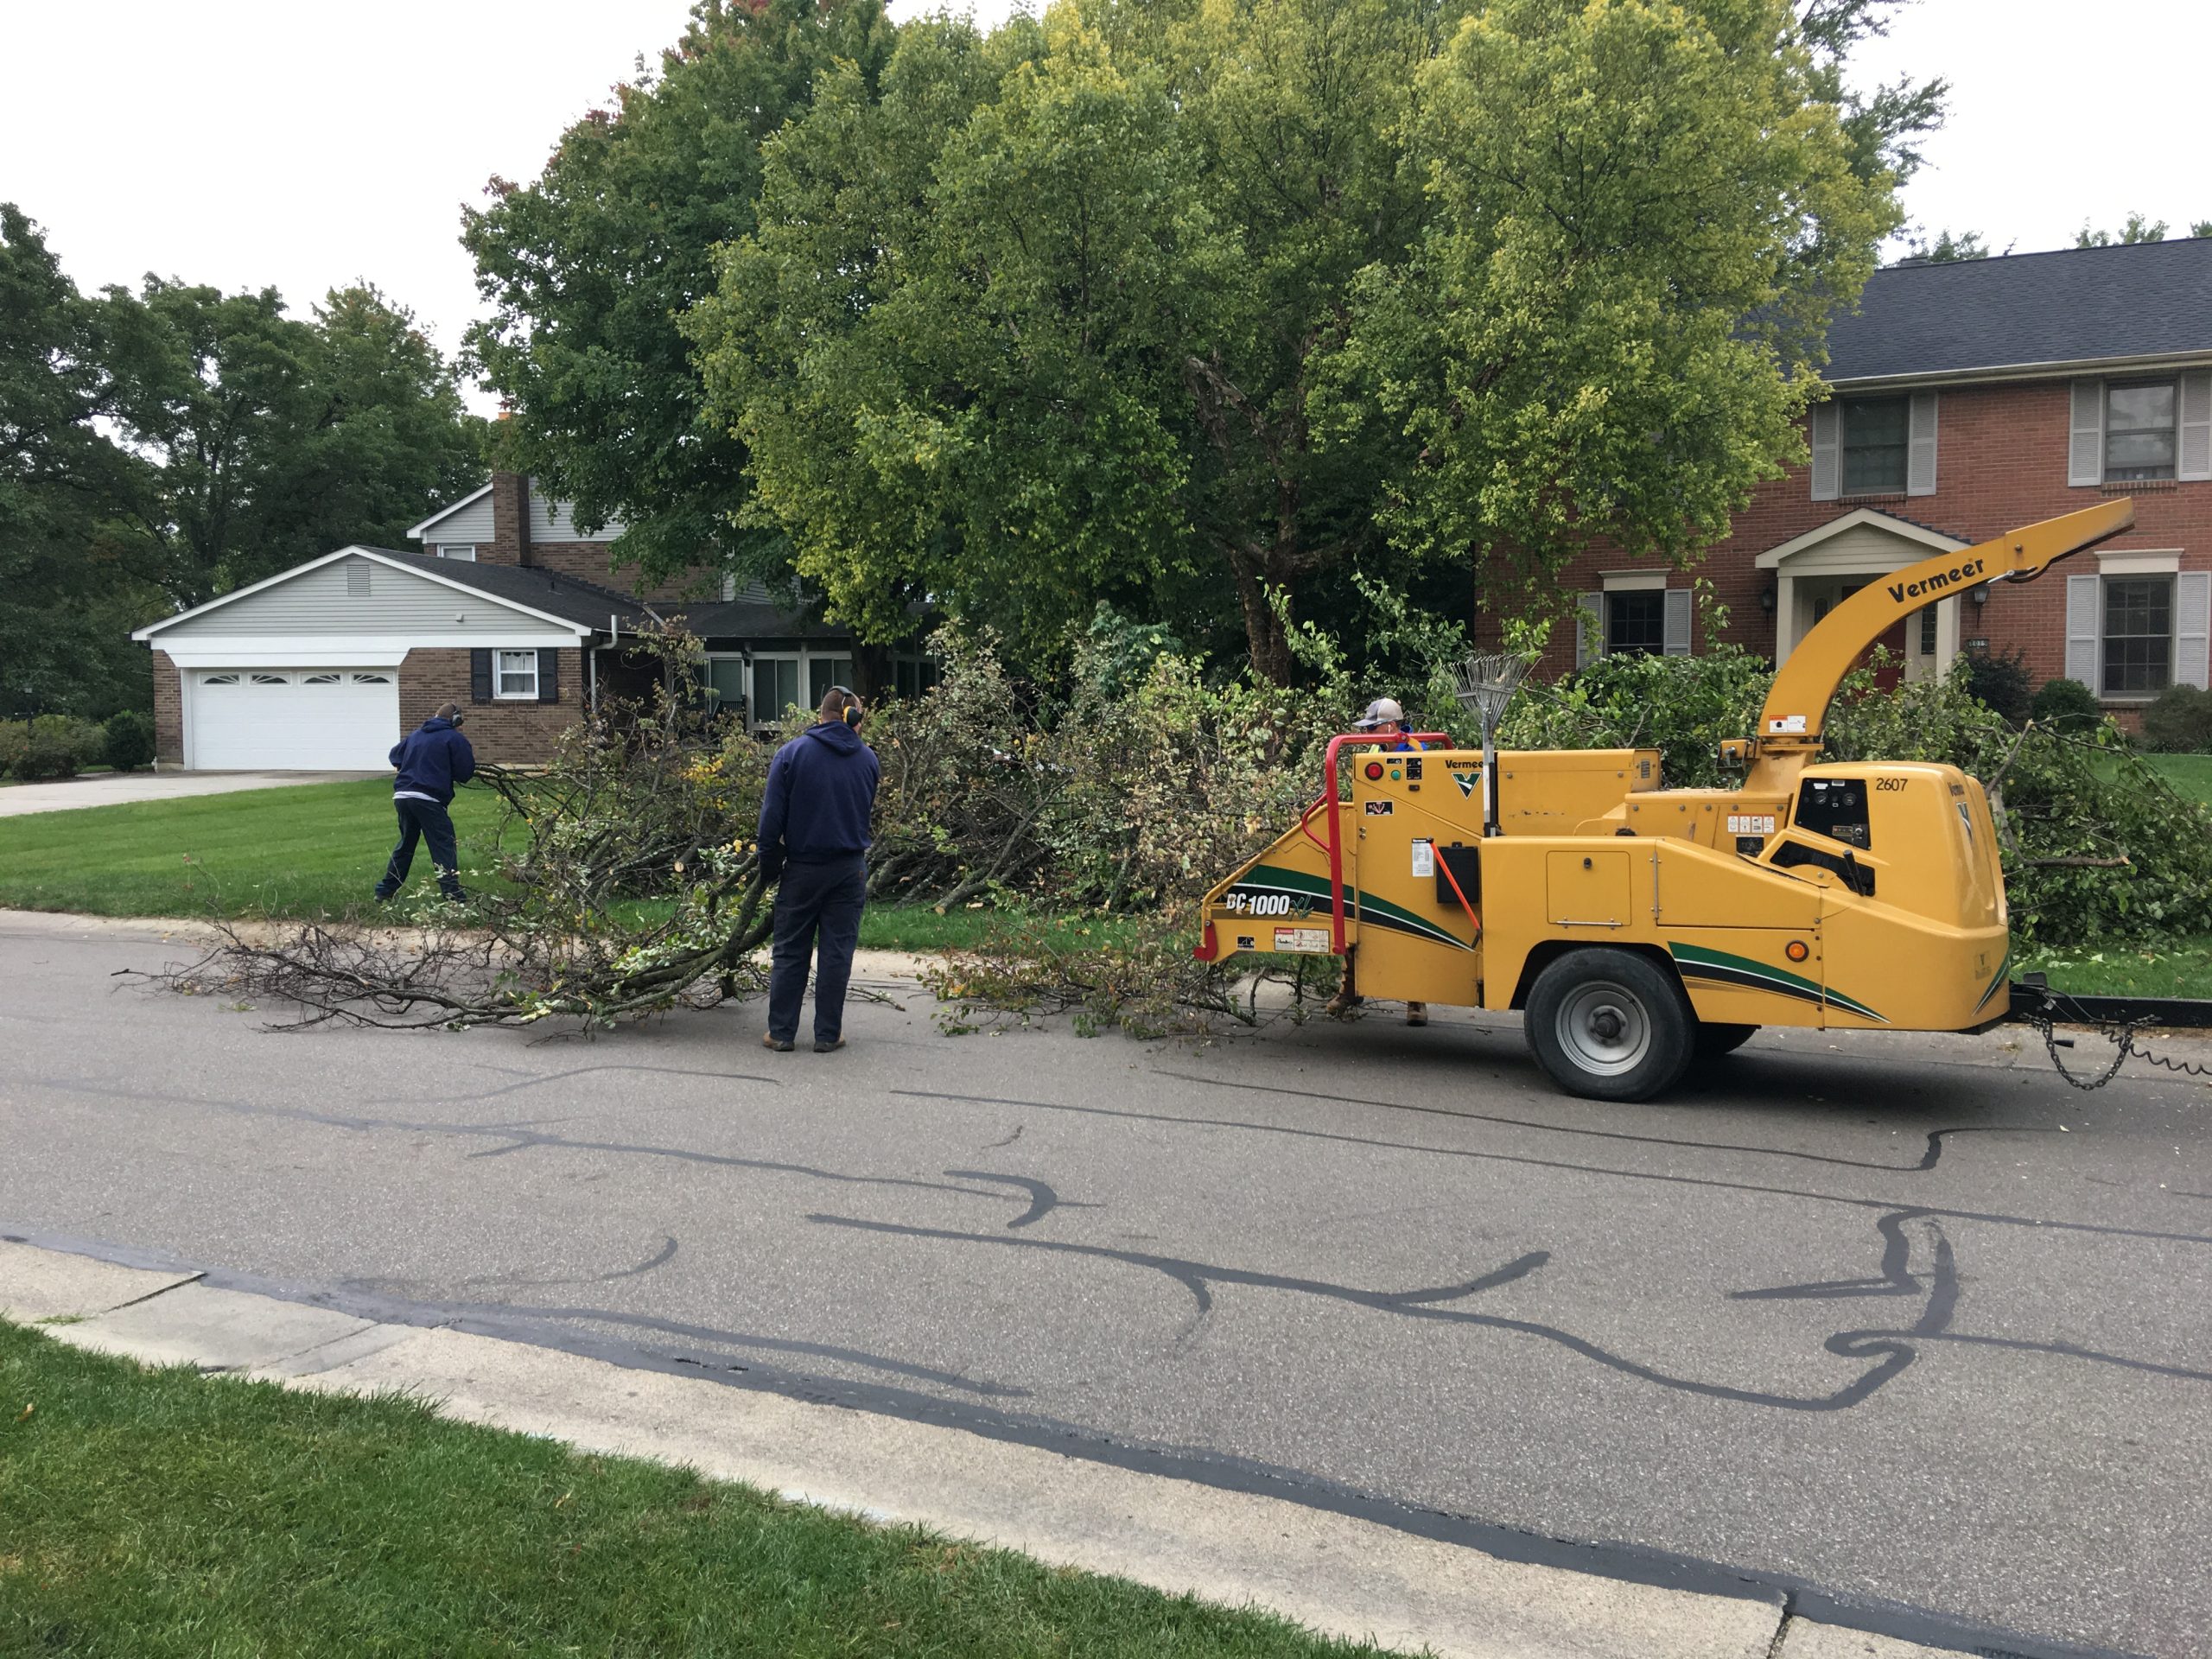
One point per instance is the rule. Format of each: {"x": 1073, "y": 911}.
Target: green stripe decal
{"x": 1698, "y": 962}
{"x": 1371, "y": 910}
{"x": 2004, "y": 970}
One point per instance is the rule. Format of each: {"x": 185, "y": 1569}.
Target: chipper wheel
{"x": 1609, "y": 1025}
{"x": 1716, "y": 1040}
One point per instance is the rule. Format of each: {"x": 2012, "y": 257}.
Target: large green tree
{"x": 72, "y": 584}
{"x": 588, "y": 268}
{"x": 1235, "y": 293}
{"x": 269, "y": 439}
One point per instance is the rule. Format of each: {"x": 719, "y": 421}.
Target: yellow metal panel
{"x": 1586, "y": 889}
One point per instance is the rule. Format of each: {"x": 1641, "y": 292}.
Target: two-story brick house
{"x": 506, "y": 609}
{"x": 1966, "y": 399}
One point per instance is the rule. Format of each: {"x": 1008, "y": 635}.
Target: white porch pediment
{"x": 1813, "y": 571}
{"x": 1871, "y": 541}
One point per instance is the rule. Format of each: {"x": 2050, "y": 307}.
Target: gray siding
{"x": 470, "y": 523}
{"x": 553, "y": 521}
{"x": 319, "y": 601}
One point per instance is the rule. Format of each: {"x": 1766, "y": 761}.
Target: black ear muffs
{"x": 854, "y": 713}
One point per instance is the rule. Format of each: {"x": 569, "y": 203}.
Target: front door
{"x": 1818, "y": 595}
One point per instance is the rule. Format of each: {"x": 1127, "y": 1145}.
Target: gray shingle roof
{"x": 2152, "y": 299}
{"x": 583, "y": 602}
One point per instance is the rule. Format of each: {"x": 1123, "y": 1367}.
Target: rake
{"x": 1485, "y": 682}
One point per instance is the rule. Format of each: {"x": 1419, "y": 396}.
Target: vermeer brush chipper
{"x": 1640, "y": 928}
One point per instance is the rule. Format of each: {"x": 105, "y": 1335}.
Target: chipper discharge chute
{"x": 1640, "y": 928}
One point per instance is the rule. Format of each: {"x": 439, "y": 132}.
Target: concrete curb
{"x": 1337, "y": 1575}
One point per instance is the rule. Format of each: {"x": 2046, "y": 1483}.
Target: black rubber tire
{"x": 1609, "y": 1025}
{"x": 1716, "y": 1041}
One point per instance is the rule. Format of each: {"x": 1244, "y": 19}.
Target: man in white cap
{"x": 1385, "y": 718}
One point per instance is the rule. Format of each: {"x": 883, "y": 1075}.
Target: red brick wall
{"x": 512, "y": 734}
{"x": 2000, "y": 463}
{"x": 584, "y": 560}
{"x": 168, "y": 711}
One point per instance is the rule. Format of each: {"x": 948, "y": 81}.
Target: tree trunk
{"x": 1264, "y": 634}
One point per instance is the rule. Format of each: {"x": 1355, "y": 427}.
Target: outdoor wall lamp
{"x": 1981, "y": 593}
{"x": 1766, "y": 600}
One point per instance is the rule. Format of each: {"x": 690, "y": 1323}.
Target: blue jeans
{"x": 423, "y": 821}
{"x": 821, "y": 901}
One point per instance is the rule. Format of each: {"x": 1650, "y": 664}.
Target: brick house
{"x": 1966, "y": 399}
{"x": 506, "y": 609}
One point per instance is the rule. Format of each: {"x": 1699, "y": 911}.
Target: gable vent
{"x": 357, "y": 579}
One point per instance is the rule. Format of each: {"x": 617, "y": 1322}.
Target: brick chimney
{"x": 510, "y": 520}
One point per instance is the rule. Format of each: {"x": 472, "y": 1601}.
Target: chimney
{"x": 510, "y": 520}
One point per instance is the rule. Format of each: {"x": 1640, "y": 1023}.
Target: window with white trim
{"x": 321, "y": 679}
{"x": 725, "y": 678}
{"x": 775, "y": 687}
{"x": 464, "y": 551}
{"x": 822, "y": 673}
{"x": 2138, "y": 636}
{"x": 372, "y": 679}
{"x": 1636, "y": 622}
{"x": 1877, "y": 435}
{"x": 219, "y": 679}
{"x": 514, "y": 675}
{"x": 2141, "y": 430}
{"x": 271, "y": 679}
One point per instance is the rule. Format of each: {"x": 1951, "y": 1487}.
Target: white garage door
{"x": 293, "y": 719}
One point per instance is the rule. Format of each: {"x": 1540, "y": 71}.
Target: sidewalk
{"x": 1338, "y": 1574}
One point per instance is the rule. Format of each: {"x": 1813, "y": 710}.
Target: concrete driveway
{"x": 115, "y": 788}
{"x": 1899, "y": 1320}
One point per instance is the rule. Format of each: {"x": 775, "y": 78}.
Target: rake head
{"x": 1486, "y": 681}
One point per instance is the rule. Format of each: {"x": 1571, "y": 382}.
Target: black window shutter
{"x": 548, "y": 676}
{"x": 480, "y": 676}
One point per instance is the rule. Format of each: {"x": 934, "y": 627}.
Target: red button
{"x": 1374, "y": 771}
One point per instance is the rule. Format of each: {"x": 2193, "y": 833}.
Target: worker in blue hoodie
{"x": 814, "y": 835}
{"x": 431, "y": 760}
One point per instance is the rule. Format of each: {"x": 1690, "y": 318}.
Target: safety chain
{"x": 2122, "y": 1038}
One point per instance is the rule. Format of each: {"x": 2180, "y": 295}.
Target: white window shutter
{"x": 1920, "y": 455}
{"x": 2084, "y": 599}
{"x": 1676, "y": 634}
{"x": 1589, "y": 629}
{"x": 2192, "y": 629}
{"x": 1827, "y": 452}
{"x": 2085, "y": 451}
{"x": 2196, "y": 456}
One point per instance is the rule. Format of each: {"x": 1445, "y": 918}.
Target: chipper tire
{"x": 1716, "y": 1040}
{"x": 1609, "y": 1025}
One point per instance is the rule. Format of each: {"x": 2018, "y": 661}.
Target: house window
{"x": 321, "y": 679}
{"x": 912, "y": 677}
{"x": 270, "y": 679}
{"x": 1876, "y": 435}
{"x": 822, "y": 673}
{"x": 775, "y": 687}
{"x": 514, "y": 676}
{"x": 1636, "y": 622}
{"x": 2139, "y": 431}
{"x": 465, "y": 552}
{"x": 2139, "y": 641}
{"x": 725, "y": 678}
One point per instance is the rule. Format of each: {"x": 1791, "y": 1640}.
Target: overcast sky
{"x": 248, "y": 143}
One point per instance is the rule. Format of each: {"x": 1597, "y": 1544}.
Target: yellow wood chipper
{"x": 1640, "y": 928}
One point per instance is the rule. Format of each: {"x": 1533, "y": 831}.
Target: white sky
{"x": 248, "y": 142}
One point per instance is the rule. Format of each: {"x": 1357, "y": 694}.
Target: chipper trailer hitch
{"x": 1642, "y": 931}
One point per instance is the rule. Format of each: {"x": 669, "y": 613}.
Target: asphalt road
{"x": 1901, "y": 1318}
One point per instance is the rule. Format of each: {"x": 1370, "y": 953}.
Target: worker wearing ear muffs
{"x": 814, "y": 835}
{"x": 1385, "y": 718}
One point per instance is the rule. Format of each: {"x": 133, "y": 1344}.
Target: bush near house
{"x": 2065, "y": 701}
{"x": 49, "y": 747}
{"x": 2179, "y": 721}
{"x": 127, "y": 739}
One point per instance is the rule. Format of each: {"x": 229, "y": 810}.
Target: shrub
{"x": 55, "y": 745}
{"x": 2067, "y": 702}
{"x": 1999, "y": 683}
{"x": 14, "y": 737}
{"x": 127, "y": 739}
{"x": 2179, "y": 721}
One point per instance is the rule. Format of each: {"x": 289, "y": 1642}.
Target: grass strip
{"x": 157, "y": 1512}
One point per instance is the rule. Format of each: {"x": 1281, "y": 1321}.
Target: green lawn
{"x": 2189, "y": 774}
{"x": 2177, "y": 967}
{"x": 314, "y": 850}
{"x": 157, "y": 1513}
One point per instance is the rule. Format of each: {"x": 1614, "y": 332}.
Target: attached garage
{"x": 293, "y": 719}
{"x": 323, "y": 668}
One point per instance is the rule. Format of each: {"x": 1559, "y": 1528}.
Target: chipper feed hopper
{"x": 1640, "y": 928}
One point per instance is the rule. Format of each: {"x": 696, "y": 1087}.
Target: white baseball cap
{"x": 1381, "y": 712}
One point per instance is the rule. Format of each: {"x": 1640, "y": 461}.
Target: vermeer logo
{"x": 1467, "y": 780}
{"x": 1969, "y": 572}
{"x": 1380, "y": 809}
